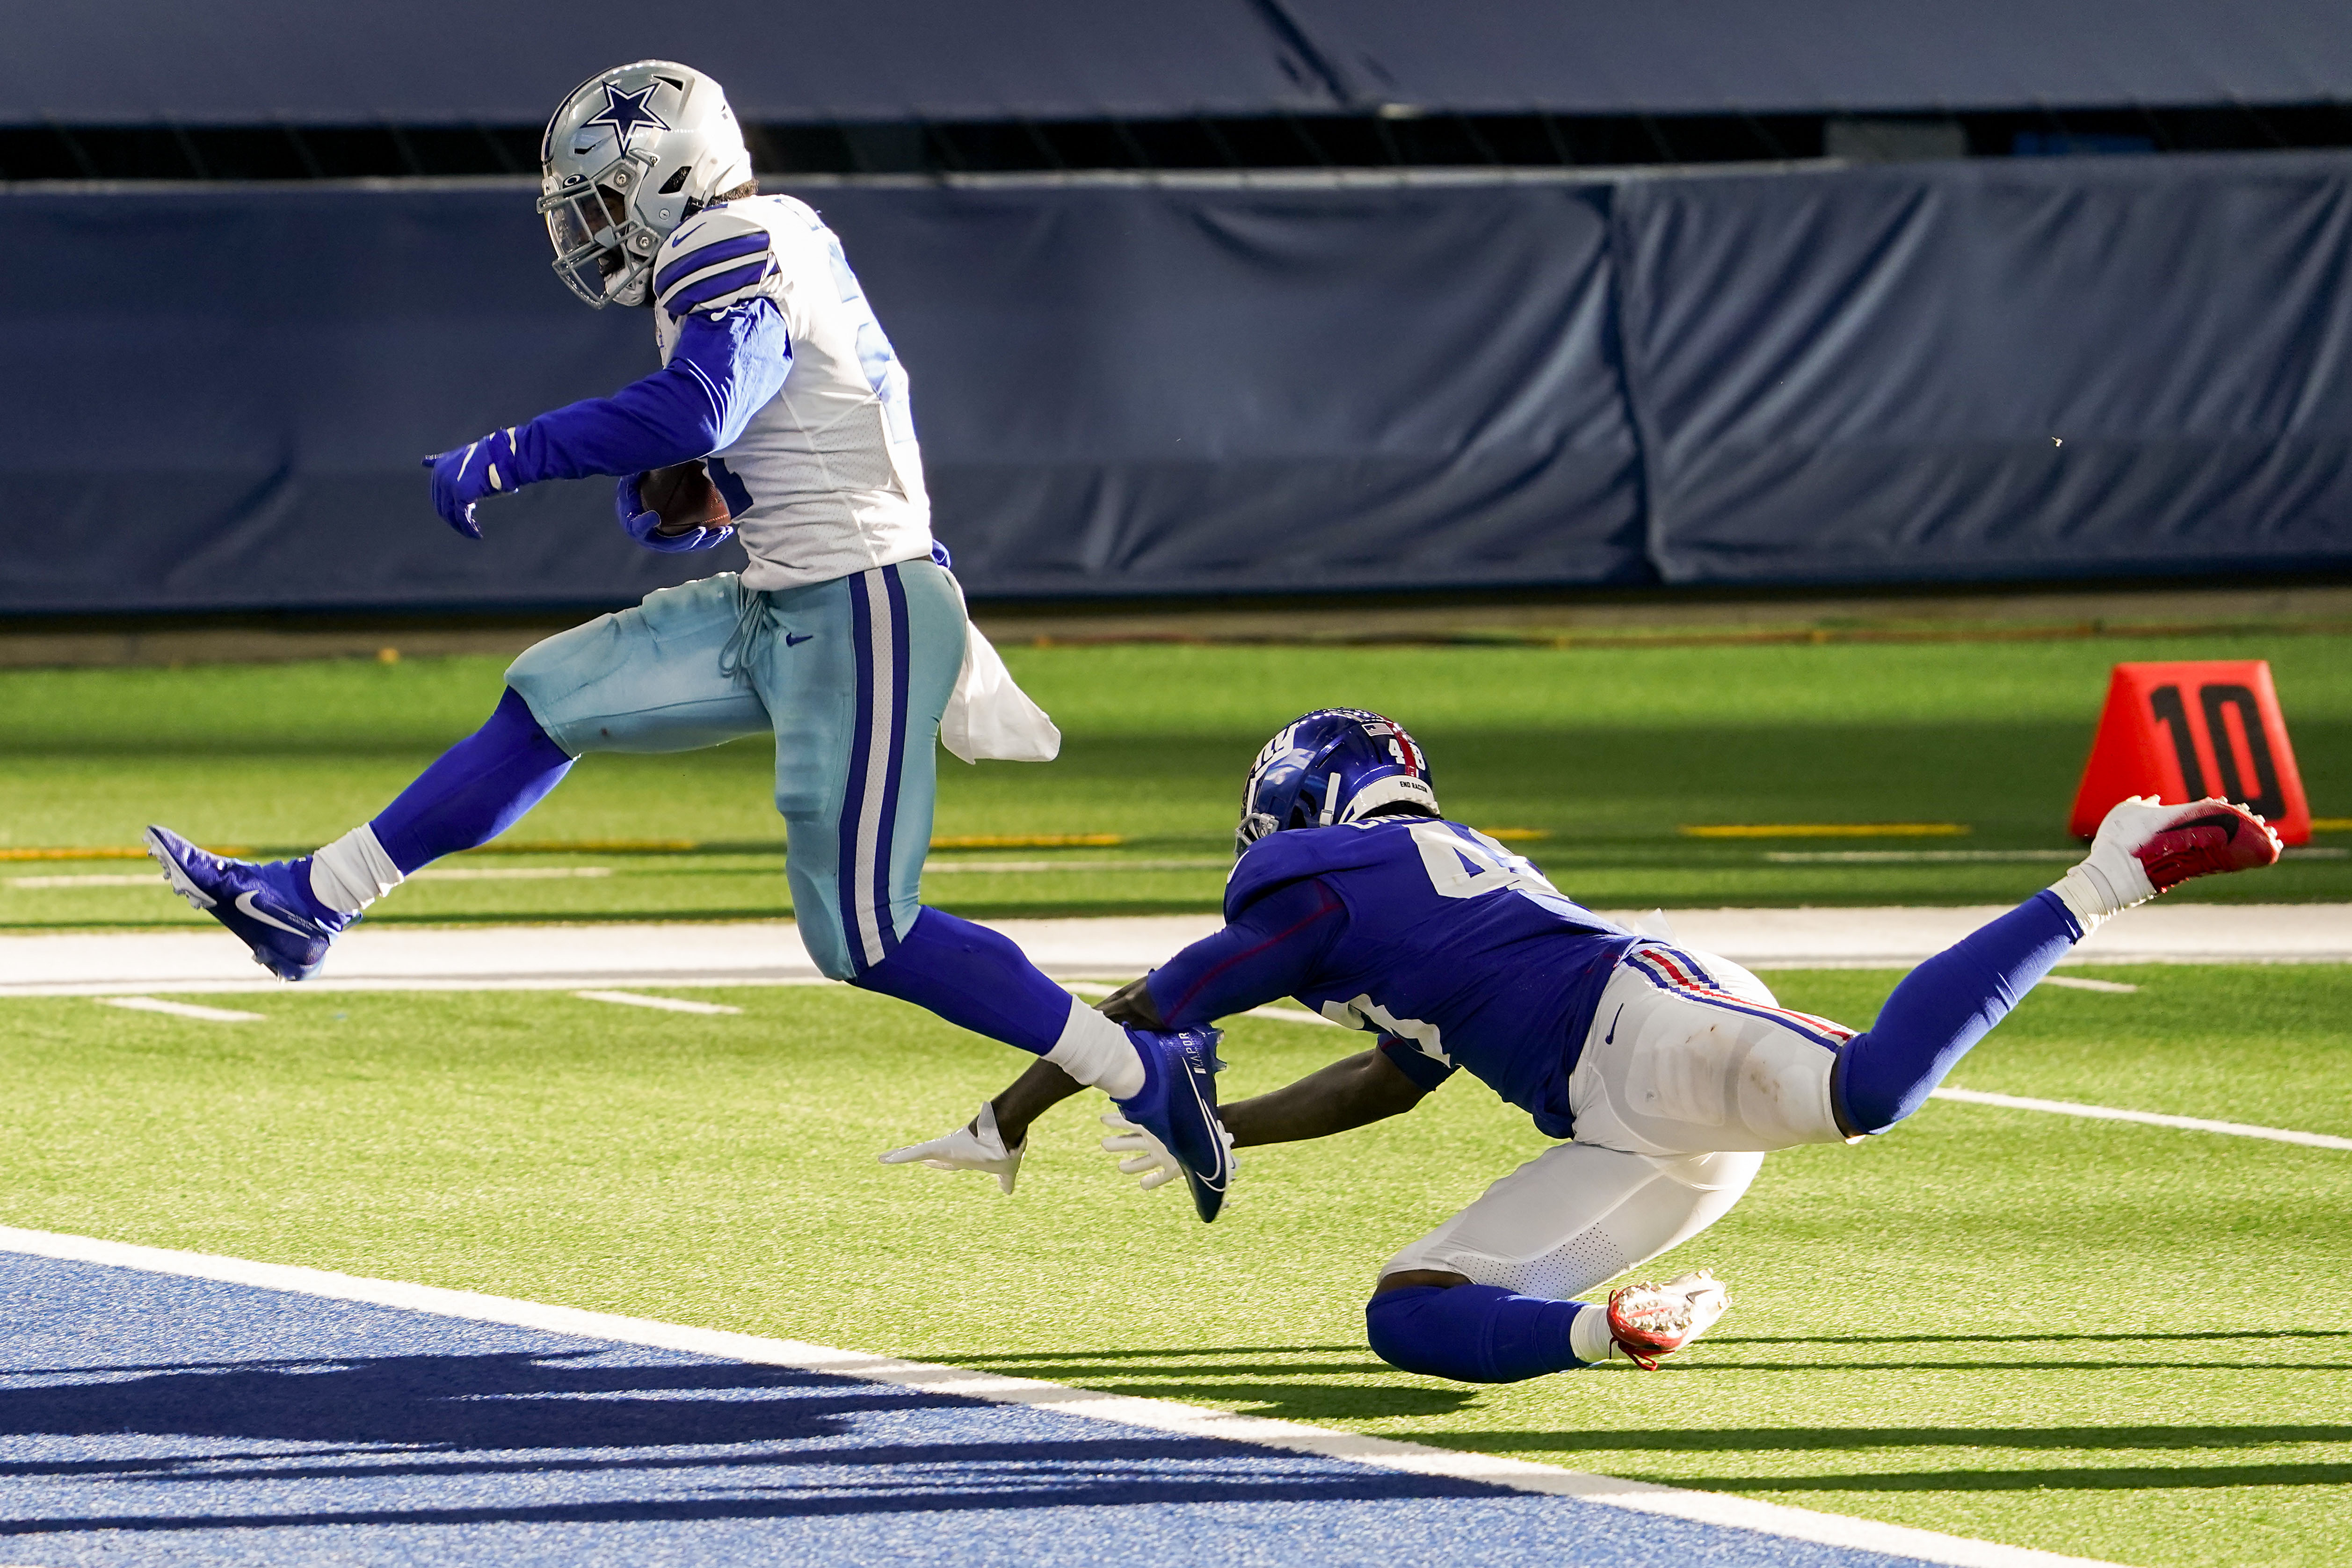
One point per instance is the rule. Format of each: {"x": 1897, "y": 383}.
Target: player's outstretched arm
{"x": 723, "y": 368}
{"x": 1364, "y": 1089}
{"x": 1361, "y": 1089}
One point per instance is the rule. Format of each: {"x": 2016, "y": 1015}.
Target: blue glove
{"x": 640, "y": 521}
{"x": 463, "y": 474}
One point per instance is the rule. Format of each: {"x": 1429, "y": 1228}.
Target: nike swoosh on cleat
{"x": 245, "y": 907}
{"x": 792, "y": 641}
{"x": 1225, "y": 1155}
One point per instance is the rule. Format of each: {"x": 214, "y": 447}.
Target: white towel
{"x": 991, "y": 717}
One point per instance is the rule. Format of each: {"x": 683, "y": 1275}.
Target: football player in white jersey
{"x": 844, "y": 635}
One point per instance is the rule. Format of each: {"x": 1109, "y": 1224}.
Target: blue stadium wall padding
{"x": 1188, "y": 390}
{"x": 458, "y": 62}
{"x": 1724, "y": 57}
{"x": 1994, "y": 369}
{"x": 219, "y": 399}
{"x": 1119, "y": 391}
{"x": 219, "y": 395}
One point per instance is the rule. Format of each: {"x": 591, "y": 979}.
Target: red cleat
{"x": 1652, "y": 1321}
{"x": 2144, "y": 846}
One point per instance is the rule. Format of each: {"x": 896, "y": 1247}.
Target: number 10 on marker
{"x": 2185, "y": 730}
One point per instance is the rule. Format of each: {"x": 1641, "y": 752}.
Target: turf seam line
{"x": 2150, "y": 1118}
{"x": 1156, "y": 1415}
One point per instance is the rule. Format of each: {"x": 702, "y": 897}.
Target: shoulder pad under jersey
{"x": 716, "y": 259}
{"x": 1298, "y": 853}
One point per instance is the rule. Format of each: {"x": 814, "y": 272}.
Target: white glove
{"x": 1147, "y": 1159}
{"x": 978, "y": 1147}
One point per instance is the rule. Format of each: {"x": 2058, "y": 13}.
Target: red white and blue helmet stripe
{"x": 1331, "y": 767}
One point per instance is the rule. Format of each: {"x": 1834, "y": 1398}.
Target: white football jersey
{"x": 826, "y": 479}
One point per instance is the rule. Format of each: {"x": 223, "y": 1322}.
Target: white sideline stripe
{"x": 619, "y": 954}
{"x": 935, "y": 865}
{"x": 2082, "y": 983}
{"x": 2151, "y": 1118}
{"x": 1155, "y": 1414}
{"x": 667, "y": 1003}
{"x": 181, "y": 1009}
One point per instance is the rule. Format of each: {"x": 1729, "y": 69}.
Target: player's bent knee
{"x": 1399, "y": 1335}
{"x": 828, "y": 949}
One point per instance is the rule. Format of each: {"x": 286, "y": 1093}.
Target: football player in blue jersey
{"x": 845, "y": 634}
{"x": 1667, "y": 1074}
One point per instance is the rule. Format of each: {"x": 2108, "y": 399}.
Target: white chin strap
{"x": 1394, "y": 790}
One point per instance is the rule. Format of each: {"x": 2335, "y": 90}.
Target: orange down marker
{"x": 2183, "y": 731}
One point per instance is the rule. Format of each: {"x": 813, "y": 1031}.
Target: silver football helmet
{"x": 632, "y": 153}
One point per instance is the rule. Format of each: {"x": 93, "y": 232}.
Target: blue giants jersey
{"x": 1457, "y": 952}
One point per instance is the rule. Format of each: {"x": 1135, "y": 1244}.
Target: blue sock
{"x": 970, "y": 975}
{"x": 475, "y": 792}
{"x": 1472, "y": 1333}
{"x": 1944, "y": 1008}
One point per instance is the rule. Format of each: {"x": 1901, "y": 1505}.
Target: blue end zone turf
{"x": 148, "y": 1418}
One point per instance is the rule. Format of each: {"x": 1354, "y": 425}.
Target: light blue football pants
{"x": 851, "y": 676}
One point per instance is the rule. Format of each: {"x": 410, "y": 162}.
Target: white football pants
{"x": 1691, "y": 1072}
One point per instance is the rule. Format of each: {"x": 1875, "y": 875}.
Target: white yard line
{"x": 2007, "y": 1101}
{"x": 1909, "y": 857}
{"x": 937, "y": 864}
{"x": 430, "y": 874}
{"x": 506, "y": 873}
{"x": 1922, "y": 856}
{"x": 2148, "y": 1118}
{"x": 558, "y": 957}
{"x": 667, "y": 1003}
{"x": 1153, "y": 1415}
{"x": 181, "y": 1009}
{"x": 2079, "y": 983}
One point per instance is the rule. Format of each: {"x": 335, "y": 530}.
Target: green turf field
{"x": 1606, "y": 751}
{"x": 2116, "y": 1340}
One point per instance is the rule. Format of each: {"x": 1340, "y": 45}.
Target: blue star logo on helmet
{"x": 624, "y": 111}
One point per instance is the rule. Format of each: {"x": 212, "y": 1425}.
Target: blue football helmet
{"x": 1333, "y": 766}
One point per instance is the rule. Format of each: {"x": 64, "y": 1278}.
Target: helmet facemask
{"x": 632, "y": 153}
{"x": 602, "y": 250}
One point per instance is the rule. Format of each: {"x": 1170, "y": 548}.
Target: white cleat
{"x": 1652, "y": 1321}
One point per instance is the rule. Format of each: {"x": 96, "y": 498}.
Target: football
{"x": 684, "y": 497}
